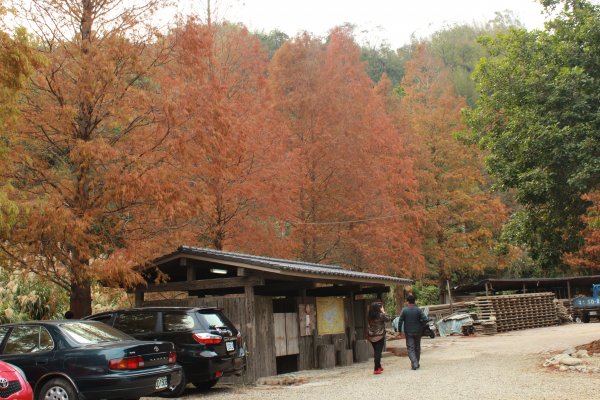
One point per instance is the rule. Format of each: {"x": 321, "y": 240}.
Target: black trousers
{"x": 378, "y": 349}
{"x": 413, "y": 346}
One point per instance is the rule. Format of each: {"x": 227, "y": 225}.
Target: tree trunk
{"x": 81, "y": 299}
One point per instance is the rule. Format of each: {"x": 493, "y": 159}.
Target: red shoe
{"x": 378, "y": 371}
{"x": 381, "y": 369}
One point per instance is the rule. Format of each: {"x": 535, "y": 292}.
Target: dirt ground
{"x": 503, "y": 366}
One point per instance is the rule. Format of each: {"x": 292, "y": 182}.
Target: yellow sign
{"x": 330, "y": 315}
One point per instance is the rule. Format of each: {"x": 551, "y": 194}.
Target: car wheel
{"x": 206, "y": 384}
{"x": 57, "y": 389}
{"x": 177, "y": 391}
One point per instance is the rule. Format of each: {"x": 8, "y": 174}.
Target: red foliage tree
{"x": 353, "y": 187}
{"x": 462, "y": 217}
{"x": 92, "y": 163}
{"x": 232, "y": 148}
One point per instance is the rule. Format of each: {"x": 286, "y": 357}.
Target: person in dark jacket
{"x": 376, "y": 332}
{"x": 413, "y": 318}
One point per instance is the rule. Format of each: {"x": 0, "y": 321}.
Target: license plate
{"x": 593, "y": 312}
{"x": 161, "y": 382}
{"x": 229, "y": 346}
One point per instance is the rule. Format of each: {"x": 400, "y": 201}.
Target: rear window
{"x": 174, "y": 322}
{"x": 93, "y": 332}
{"x": 136, "y": 322}
{"x": 214, "y": 319}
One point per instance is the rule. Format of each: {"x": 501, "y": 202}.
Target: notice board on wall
{"x": 330, "y": 315}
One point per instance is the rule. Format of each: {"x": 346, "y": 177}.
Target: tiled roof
{"x": 282, "y": 265}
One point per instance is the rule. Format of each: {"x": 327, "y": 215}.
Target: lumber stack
{"x": 485, "y": 327}
{"x": 517, "y": 311}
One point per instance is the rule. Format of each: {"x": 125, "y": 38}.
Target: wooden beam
{"x": 266, "y": 291}
{"x": 204, "y": 284}
{"x": 373, "y": 289}
{"x": 333, "y": 290}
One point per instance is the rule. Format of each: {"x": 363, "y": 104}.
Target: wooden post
{"x": 524, "y": 288}
{"x": 139, "y": 297}
{"x": 251, "y": 328}
{"x": 450, "y": 296}
{"x": 352, "y": 336}
{"x": 487, "y": 289}
{"x": 190, "y": 270}
{"x": 569, "y": 290}
{"x": 314, "y": 343}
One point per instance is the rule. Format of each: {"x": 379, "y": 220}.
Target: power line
{"x": 356, "y": 221}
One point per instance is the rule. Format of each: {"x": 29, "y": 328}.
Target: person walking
{"x": 413, "y": 318}
{"x": 376, "y": 332}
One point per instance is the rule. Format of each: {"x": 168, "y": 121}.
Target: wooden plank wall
{"x": 286, "y": 333}
{"x": 279, "y": 331}
{"x": 263, "y": 356}
{"x": 292, "y": 333}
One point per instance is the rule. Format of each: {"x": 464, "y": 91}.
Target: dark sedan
{"x": 69, "y": 360}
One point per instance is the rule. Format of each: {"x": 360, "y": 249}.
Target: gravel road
{"x": 503, "y": 366}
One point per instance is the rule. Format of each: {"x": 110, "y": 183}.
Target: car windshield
{"x": 93, "y": 332}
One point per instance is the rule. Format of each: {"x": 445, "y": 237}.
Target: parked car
{"x": 208, "y": 345}
{"x": 13, "y": 385}
{"x": 73, "y": 359}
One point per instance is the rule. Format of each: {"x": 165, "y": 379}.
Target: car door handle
{"x": 43, "y": 361}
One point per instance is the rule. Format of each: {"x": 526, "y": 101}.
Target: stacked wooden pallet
{"x": 518, "y": 311}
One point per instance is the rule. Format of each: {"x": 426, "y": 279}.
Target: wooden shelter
{"x": 562, "y": 287}
{"x": 293, "y": 315}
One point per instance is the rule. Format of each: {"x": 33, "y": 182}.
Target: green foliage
{"x": 17, "y": 63}
{"x": 28, "y": 297}
{"x": 8, "y": 213}
{"x": 538, "y": 118}
{"x": 426, "y": 294}
{"x": 383, "y": 60}
{"x": 272, "y": 41}
{"x": 459, "y": 49}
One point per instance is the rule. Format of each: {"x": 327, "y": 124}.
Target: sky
{"x": 382, "y": 21}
